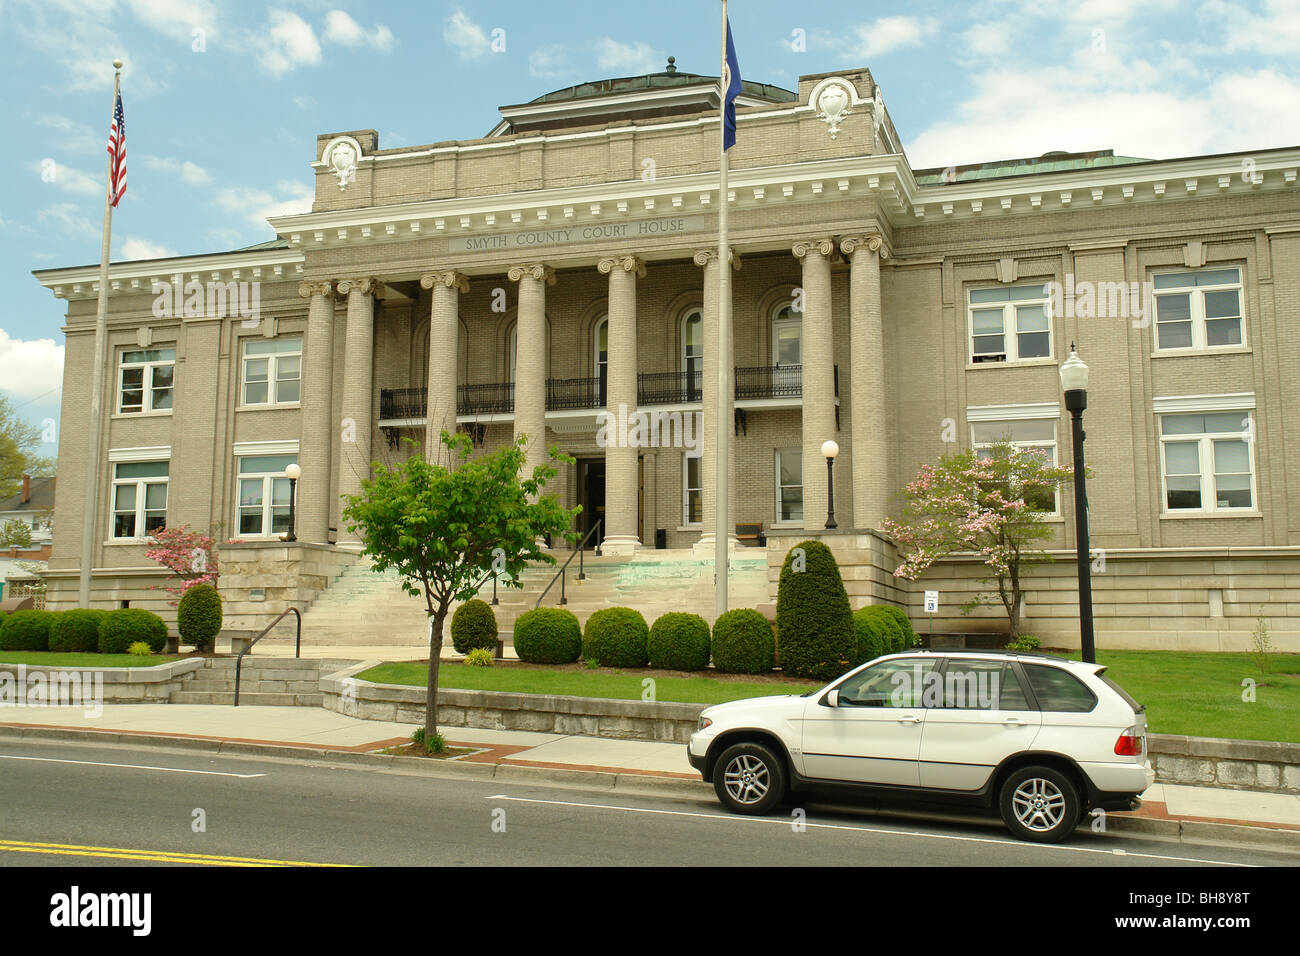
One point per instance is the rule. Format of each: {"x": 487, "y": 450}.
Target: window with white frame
{"x": 273, "y": 371}
{"x": 600, "y": 351}
{"x": 1009, "y": 324}
{"x": 692, "y": 489}
{"x": 1207, "y": 461}
{"x": 1198, "y": 310}
{"x": 264, "y": 494}
{"x": 139, "y": 498}
{"x": 146, "y": 381}
{"x": 1028, "y": 434}
{"x": 789, "y": 484}
{"x": 693, "y": 354}
{"x": 787, "y": 336}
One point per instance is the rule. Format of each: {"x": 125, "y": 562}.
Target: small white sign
{"x": 931, "y": 602}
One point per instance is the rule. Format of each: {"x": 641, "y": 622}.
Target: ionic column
{"x": 358, "y": 376}
{"x": 867, "y": 397}
{"x": 531, "y": 367}
{"x": 444, "y": 328}
{"x": 818, "y": 374}
{"x": 315, "y": 452}
{"x": 621, "y": 486}
{"x": 711, "y": 418}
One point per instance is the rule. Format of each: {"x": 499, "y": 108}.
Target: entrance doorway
{"x": 591, "y": 495}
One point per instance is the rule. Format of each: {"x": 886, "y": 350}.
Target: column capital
{"x": 366, "y": 285}
{"x": 449, "y": 278}
{"x": 705, "y": 256}
{"x": 309, "y": 289}
{"x": 628, "y": 263}
{"x": 824, "y": 247}
{"x": 872, "y": 241}
{"x": 533, "y": 270}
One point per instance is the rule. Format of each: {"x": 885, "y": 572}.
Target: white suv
{"x": 1043, "y": 739}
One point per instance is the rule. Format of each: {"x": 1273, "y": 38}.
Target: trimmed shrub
{"x": 26, "y": 631}
{"x": 743, "y": 643}
{"x": 870, "y": 633}
{"x": 474, "y": 625}
{"x": 814, "y": 624}
{"x": 899, "y": 617}
{"x": 679, "y": 642}
{"x": 479, "y": 657}
{"x": 198, "y": 617}
{"x": 1025, "y": 642}
{"x": 891, "y": 634}
{"x": 617, "y": 637}
{"x": 548, "y": 635}
{"x": 121, "y": 628}
{"x": 139, "y": 649}
{"x": 76, "y": 631}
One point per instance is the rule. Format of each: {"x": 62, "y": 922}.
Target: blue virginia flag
{"x": 732, "y": 78}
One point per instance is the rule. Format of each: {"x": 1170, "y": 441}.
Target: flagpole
{"x": 91, "y": 518}
{"x": 722, "y": 419}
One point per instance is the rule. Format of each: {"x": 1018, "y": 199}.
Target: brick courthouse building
{"x": 566, "y": 264}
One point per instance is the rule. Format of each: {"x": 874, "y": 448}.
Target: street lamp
{"x": 293, "y": 473}
{"x": 1074, "y": 380}
{"x": 829, "y": 450}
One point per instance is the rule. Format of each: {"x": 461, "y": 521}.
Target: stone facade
{"x": 472, "y": 280}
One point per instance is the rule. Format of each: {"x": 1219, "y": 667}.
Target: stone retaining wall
{"x": 1217, "y": 762}
{"x": 119, "y": 685}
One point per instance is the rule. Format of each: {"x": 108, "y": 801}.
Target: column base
{"x": 620, "y": 544}
{"x": 706, "y": 547}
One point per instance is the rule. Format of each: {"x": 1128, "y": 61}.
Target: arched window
{"x": 787, "y": 336}
{"x": 514, "y": 351}
{"x": 600, "y": 351}
{"x": 692, "y": 354}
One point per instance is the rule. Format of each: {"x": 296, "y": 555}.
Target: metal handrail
{"x": 297, "y": 647}
{"x": 582, "y": 574}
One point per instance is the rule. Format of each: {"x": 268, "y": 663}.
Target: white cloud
{"x": 469, "y": 39}
{"x": 66, "y": 178}
{"x": 891, "y": 33}
{"x": 189, "y": 172}
{"x": 177, "y": 18}
{"x": 341, "y": 28}
{"x": 287, "y": 44}
{"x": 1276, "y": 31}
{"x": 29, "y": 368}
{"x": 987, "y": 39}
{"x": 547, "y": 62}
{"x": 628, "y": 59}
{"x": 72, "y": 135}
{"x": 258, "y": 205}
{"x": 134, "y": 248}
{"x": 71, "y": 219}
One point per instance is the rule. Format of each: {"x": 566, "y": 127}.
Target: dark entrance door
{"x": 591, "y": 495}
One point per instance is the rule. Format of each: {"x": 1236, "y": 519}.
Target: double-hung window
{"x": 1030, "y": 434}
{"x": 1009, "y": 324}
{"x": 692, "y": 489}
{"x": 146, "y": 381}
{"x": 1199, "y": 310}
{"x": 273, "y": 371}
{"x": 264, "y": 494}
{"x": 139, "y": 498}
{"x": 789, "y": 485}
{"x": 692, "y": 355}
{"x": 1208, "y": 463}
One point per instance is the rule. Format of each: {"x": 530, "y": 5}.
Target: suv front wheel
{"x": 1040, "y": 804}
{"x": 749, "y": 778}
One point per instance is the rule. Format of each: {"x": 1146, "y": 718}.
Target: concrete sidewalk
{"x": 1165, "y": 807}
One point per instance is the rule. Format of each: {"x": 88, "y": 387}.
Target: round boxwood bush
{"x": 617, "y": 637}
{"x": 814, "y": 624}
{"x": 76, "y": 631}
{"x": 26, "y": 631}
{"x": 474, "y": 626}
{"x": 548, "y": 635}
{"x": 198, "y": 617}
{"x": 121, "y": 628}
{"x": 743, "y": 643}
{"x": 891, "y": 634}
{"x": 872, "y": 637}
{"x": 899, "y": 617}
{"x": 679, "y": 642}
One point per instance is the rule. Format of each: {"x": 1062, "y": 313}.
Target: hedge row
{"x": 81, "y": 631}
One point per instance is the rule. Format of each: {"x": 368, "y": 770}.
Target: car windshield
{"x": 1124, "y": 695}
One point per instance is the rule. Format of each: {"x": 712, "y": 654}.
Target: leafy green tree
{"x": 445, "y": 529}
{"x": 15, "y": 534}
{"x": 19, "y": 440}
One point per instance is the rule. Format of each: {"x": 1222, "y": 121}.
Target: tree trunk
{"x": 431, "y": 689}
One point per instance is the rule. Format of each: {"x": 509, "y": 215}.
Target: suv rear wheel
{"x": 749, "y": 778}
{"x": 1040, "y": 804}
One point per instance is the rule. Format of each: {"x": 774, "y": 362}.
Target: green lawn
{"x": 53, "y": 659}
{"x": 616, "y": 684}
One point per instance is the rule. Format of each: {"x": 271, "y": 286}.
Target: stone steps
{"x": 264, "y": 682}
{"x": 250, "y": 698}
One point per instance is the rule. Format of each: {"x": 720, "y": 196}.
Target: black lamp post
{"x": 293, "y": 473}
{"x": 829, "y": 450}
{"x": 1074, "y": 380}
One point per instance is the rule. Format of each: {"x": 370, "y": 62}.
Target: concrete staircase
{"x": 283, "y": 682}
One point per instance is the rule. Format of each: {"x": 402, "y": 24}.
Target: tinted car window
{"x": 1059, "y": 690}
{"x": 896, "y": 683}
{"x": 1013, "y": 695}
{"x": 971, "y": 685}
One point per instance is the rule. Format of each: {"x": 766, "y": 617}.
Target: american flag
{"x": 117, "y": 154}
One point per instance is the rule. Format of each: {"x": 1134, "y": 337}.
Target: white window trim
{"x": 777, "y": 520}
{"x": 272, "y": 377}
{"x": 1021, "y": 413}
{"x": 686, "y": 491}
{"x": 1197, "y": 313}
{"x": 1010, "y": 330}
{"x": 1002, "y": 413}
{"x": 603, "y": 321}
{"x": 268, "y": 486}
{"x": 141, "y": 493}
{"x": 248, "y": 449}
{"x": 151, "y": 453}
{"x": 1227, "y": 402}
{"x": 146, "y": 381}
{"x": 1205, "y": 467}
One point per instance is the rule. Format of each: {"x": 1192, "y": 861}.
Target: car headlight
{"x": 704, "y": 722}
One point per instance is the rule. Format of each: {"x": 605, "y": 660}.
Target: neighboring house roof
{"x": 42, "y": 498}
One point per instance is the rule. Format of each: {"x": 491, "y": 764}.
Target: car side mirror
{"x": 832, "y": 698}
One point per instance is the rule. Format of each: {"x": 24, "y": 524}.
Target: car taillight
{"x": 1129, "y": 744}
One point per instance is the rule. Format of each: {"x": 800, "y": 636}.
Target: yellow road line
{"x": 161, "y": 856}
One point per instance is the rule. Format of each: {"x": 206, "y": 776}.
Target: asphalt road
{"x": 71, "y": 804}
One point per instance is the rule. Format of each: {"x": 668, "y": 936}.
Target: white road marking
{"x": 838, "y": 826}
{"x": 132, "y": 766}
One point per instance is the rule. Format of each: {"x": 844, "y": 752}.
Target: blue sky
{"x": 221, "y": 123}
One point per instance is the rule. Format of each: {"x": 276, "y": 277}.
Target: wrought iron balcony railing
{"x": 769, "y": 381}
{"x": 562, "y": 393}
{"x": 668, "y": 388}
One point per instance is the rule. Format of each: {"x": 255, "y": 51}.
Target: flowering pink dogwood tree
{"x": 190, "y": 555}
{"x": 989, "y": 503}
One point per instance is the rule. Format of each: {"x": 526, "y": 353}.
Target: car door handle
{"x": 909, "y": 720}
{"x": 1013, "y": 722}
